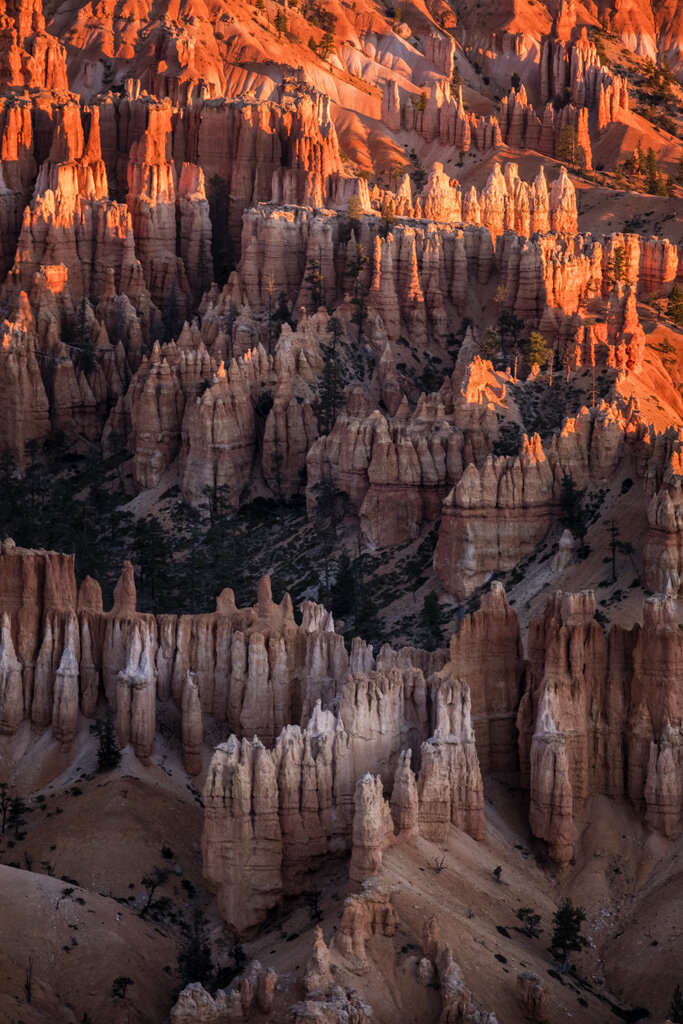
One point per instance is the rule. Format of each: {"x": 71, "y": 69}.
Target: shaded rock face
{"x": 532, "y": 996}
{"x": 457, "y": 1002}
{"x": 398, "y": 470}
{"x": 372, "y": 829}
{"x": 597, "y": 716}
{"x": 271, "y": 814}
{"x": 498, "y": 512}
{"x": 251, "y": 992}
{"x": 254, "y": 667}
{"x": 487, "y": 654}
{"x": 366, "y": 914}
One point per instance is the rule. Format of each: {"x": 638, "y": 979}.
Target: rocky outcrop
{"x": 449, "y": 785}
{"x": 397, "y": 470}
{"x": 192, "y": 728}
{"x": 663, "y": 555}
{"x": 318, "y": 974}
{"x": 443, "y": 117}
{"x": 369, "y": 913}
{"x": 487, "y": 654}
{"x": 532, "y": 996}
{"x": 372, "y": 830}
{"x": 499, "y": 512}
{"x": 597, "y": 717}
{"x": 253, "y": 991}
{"x": 405, "y": 808}
{"x": 457, "y": 1002}
{"x": 337, "y": 1007}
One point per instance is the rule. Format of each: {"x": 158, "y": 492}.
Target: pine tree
{"x": 108, "y": 753}
{"x": 650, "y": 171}
{"x": 218, "y": 195}
{"x": 150, "y": 884}
{"x": 315, "y": 280}
{"x": 331, "y": 388}
{"x": 538, "y": 350}
{"x": 280, "y": 315}
{"x": 172, "y": 312}
{"x": 573, "y": 513}
{"x": 326, "y": 46}
{"x": 359, "y": 300}
{"x": 567, "y": 937}
{"x": 355, "y": 212}
{"x": 490, "y": 345}
{"x": 531, "y": 920}
{"x": 675, "y": 304}
{"x": 5, "y": 804}
{"x": 281, "y": 23}
{"x": 86, "y": 350}
{"x": 676, "y": 1011}
{"x": 515, "y": 81}
{"x": 15, "y": 817}
{"x": 617, "y": 265}
{"x": 431, "y": 617}
{"x": 365, "y": 614}
{"x": 388, "y": 215}
{"x": 568, "y": 149}
{"x": 342, "y": 591}
{"x": 194, "y": 959}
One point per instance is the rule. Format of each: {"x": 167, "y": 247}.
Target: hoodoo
{"x": 341, "y": 515}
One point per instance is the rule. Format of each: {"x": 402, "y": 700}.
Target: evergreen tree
{"x": 509, "y": 326}
{"x": 359, "y": 300}
{"x": 108, "y": 753}
{"x": 490, "y": 345}
{"x": 650, "y": 171}
{"x": 343, "y": 589}
{"x": 278, "y": 459}
{"x": 676, "y": 1011}
{"x": 365, "y": 615}
{"x": 86, "y": 350}
{"x": 531, "y": 920}
{"x": 194, "y": 959}
{"x": 280, "y": 315}
{"x": 567, "y": 937}
{"x": 331, "y": 388}
{"x": 281, "y": 23}
{"x": 573, "y": 513}
{"x": 515, "y": 81}
{"x": 326, "y": 46}
{"x": 617, "y": 265}
{"x": 355, "y": 212}
{"x": 316, "y": 282}
{"x": 173, "y": 312}
{"x": 388, "y": 215}
{"x": 431, "y": 617}
{"x": 120, "y": 985}
{"x": 538, "y": 350}
{"x": 150, "y": 884}
{"x": 568, "y": 149}
{"x": 675, "y": 304}
{"x": 15, "y": 817}
{"x": 218, "y": 195}
{"x": 331, "y": 506}
{"x": 5, "y": 804}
